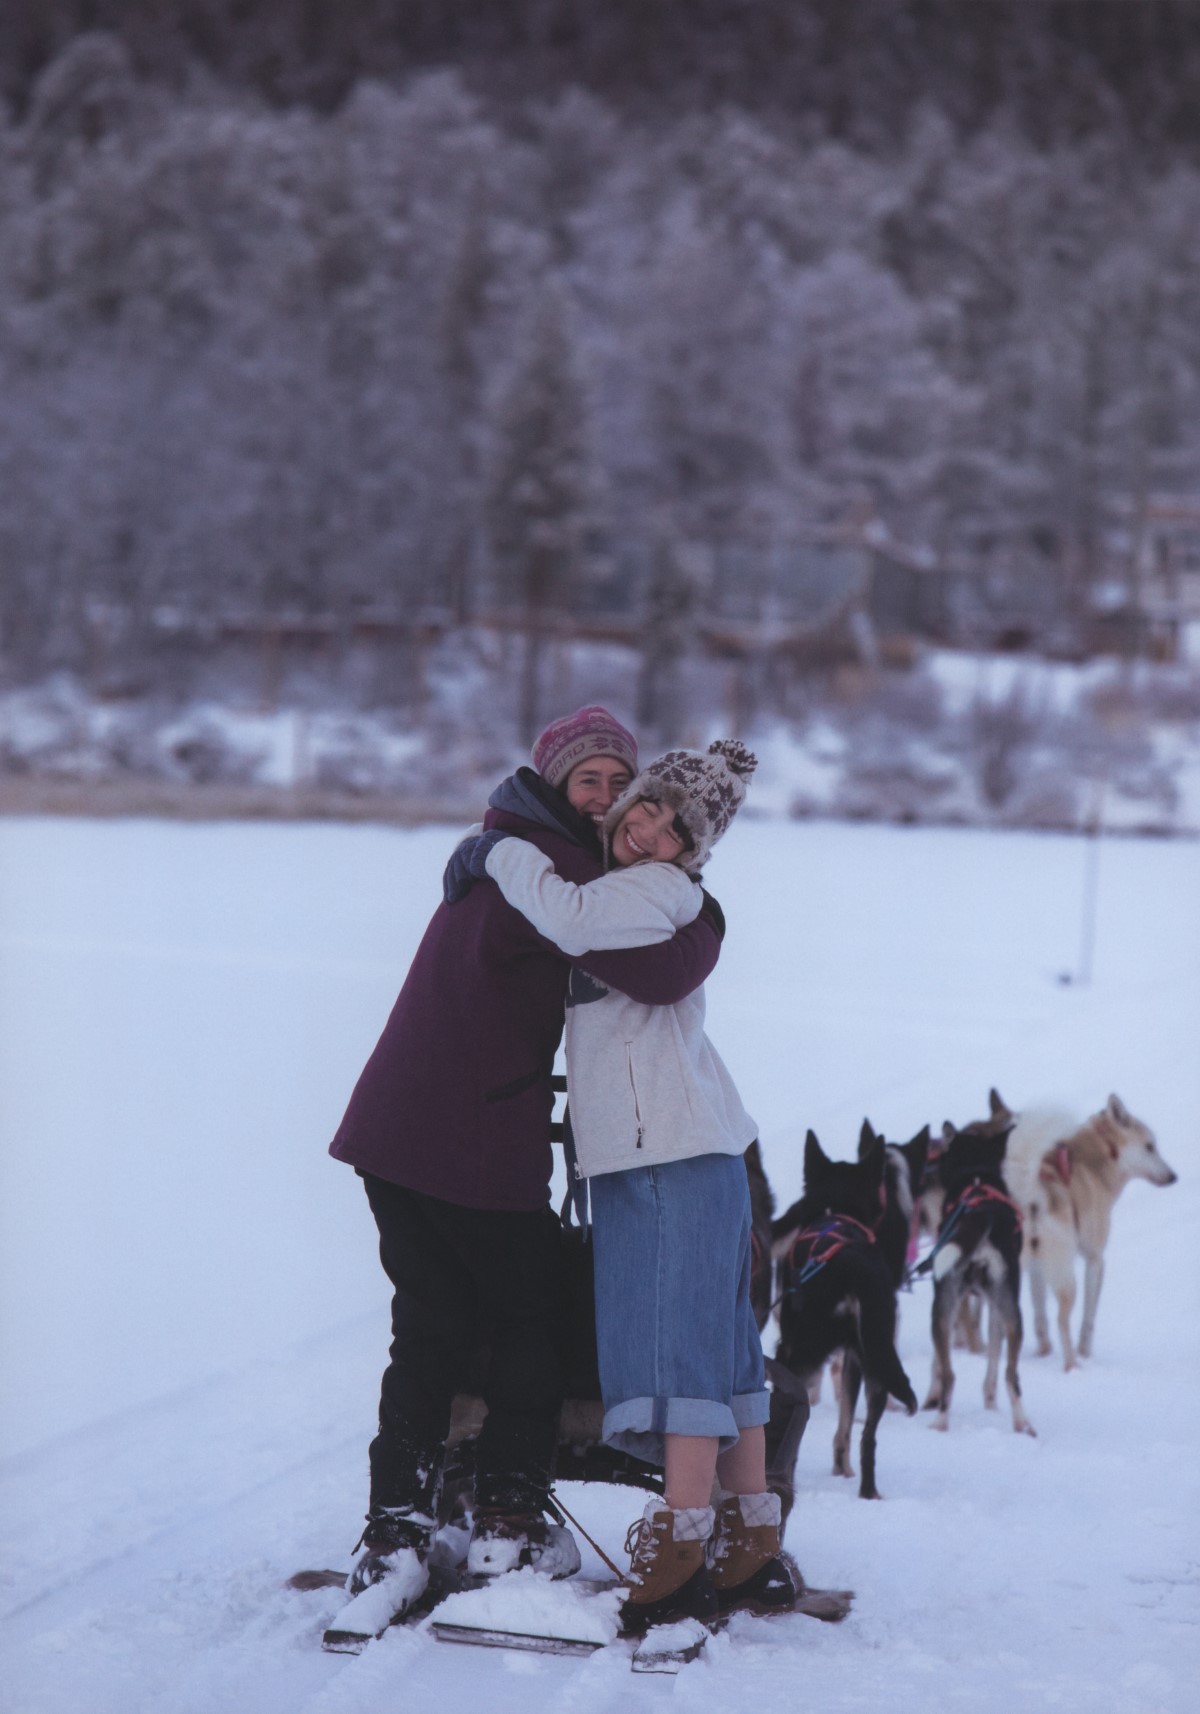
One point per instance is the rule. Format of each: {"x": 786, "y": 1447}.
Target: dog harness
{"x": 823, "y": 1242}
{"x": 1056, "y": 1163}
{"x": 974, "y": 1198}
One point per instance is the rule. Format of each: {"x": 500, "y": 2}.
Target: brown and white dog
{"x": 1066, "y": 1176}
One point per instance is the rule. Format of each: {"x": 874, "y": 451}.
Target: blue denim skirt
{"x": 678, "y": 1344}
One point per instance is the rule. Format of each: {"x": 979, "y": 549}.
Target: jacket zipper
{"x": 637, "y": 1112}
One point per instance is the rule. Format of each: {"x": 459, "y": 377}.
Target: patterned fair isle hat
{"x": 588, "y": 732}
{"x": 704, "y": 790}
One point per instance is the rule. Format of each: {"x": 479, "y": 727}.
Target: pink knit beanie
{"x": 588, "y": 732}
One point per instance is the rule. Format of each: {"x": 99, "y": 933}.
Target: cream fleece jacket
{"x": 645, "y": 1084}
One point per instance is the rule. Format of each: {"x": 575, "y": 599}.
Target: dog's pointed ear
{"x": 997, "y": 1103}
{"x": 875, "y": 1160}
{"x": 916, "y": 1152}
{"x": 867, "y": 1138}
{"x": 948, "y": 1133}
{"x": 814, "y": 1156}
{"x": 1119, "y": 1111}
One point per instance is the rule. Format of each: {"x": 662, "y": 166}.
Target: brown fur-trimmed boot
{"x": 747, "y": 1567}
{"x": 668, "y": 1576}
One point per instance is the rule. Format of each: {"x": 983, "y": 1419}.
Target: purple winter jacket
{"x": 455, "y": 1101}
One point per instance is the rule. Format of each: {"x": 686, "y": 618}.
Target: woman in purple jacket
{"x": 449, "y": 1128}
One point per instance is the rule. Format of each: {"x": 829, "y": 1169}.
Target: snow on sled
{"x": 527, "y": 1611}
{"x": 367, "y": 1616}
{"x": 665, "y": 1648}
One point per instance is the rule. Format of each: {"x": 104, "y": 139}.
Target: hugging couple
{"x": 581, "y": 897}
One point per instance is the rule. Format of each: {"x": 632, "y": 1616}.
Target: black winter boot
{"x": 395, "y": 1543}
{"x": 504, "y": 1540}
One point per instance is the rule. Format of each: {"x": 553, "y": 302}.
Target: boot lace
{"x": 387, "y": 1532}
{"x": 639, "y": 1545}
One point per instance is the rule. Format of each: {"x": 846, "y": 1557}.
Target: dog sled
{"x": 581, "y": 1457}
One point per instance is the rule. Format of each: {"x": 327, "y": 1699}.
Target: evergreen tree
{"x": 540, "y": 508}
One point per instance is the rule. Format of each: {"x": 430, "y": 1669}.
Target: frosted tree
{"x": 706, "y": 356}
{"x": 461, "y": 325}
{"x": 540, "y": 504}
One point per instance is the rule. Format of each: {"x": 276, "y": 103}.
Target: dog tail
{"x": 881, "y": 1360}
{"x": 898, "y": 1383}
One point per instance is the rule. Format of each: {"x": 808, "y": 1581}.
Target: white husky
{"x": 1067, "y": 1175}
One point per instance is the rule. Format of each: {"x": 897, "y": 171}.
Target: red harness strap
{"x": 1056, "y": 1165}
{"x": 824, "y": 1241}
{"x": 975, "y": 1196}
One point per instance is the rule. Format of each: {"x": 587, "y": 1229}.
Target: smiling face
{"x": 649, "y": 833}
{"x": 593, "y": 786}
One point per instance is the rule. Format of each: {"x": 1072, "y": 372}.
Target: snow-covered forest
{"x": 624, "y": 317}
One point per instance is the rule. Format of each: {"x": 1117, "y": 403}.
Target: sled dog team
{"x": 579, "y": 905}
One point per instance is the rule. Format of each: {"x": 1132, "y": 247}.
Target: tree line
{"x": 332, "y": 308}
{"x": 853, "y": 68}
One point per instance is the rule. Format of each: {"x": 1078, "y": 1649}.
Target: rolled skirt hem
{"x": 639, "y": 1426}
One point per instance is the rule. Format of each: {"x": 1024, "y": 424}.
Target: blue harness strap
{"x": 823, "y": 1243}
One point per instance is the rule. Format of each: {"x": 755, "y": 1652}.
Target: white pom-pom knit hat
{"x": 705, "y": 790}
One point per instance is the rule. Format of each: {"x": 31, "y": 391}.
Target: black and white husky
{"x": 978, "y": 1249}
{"x": 838, "y": 1293}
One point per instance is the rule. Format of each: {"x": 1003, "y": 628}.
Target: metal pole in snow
{"x": 1091, "y": 887}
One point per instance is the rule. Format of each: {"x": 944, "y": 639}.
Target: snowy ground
{"x": 194, "y": 1319}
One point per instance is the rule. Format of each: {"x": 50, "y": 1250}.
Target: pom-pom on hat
{"x": 588, "y": 732}
{"x": 705, "y": 790}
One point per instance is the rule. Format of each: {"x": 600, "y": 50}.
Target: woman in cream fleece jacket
{"x": 646, "y": 1084}
{"x": 659, "y": 1133}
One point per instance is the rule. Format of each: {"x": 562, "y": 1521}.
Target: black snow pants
{"x": 465, "y": 1278}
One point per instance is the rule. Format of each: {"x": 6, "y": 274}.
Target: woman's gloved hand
{"x": 468, "y": 864}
